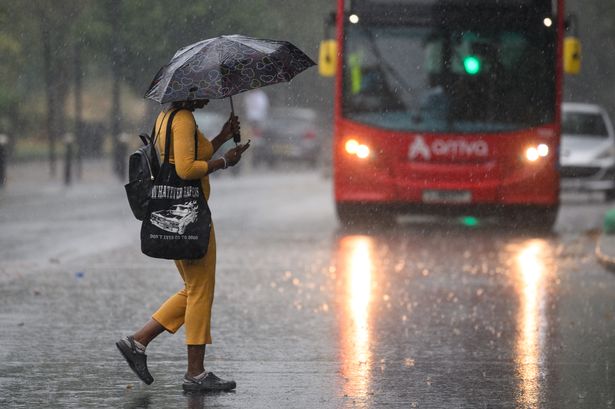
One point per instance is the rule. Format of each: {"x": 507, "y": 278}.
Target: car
{"x": 290, "y": 134}
{"x": 177, "y": 218}
{"x": 587, "y": 151}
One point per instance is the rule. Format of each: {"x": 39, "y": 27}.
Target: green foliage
{"x": 139, "y": 35}
{"x": 152, "y": 31}
{"x": 11, "y": 51}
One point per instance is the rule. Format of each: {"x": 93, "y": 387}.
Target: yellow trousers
{"x": 192, "y": 305}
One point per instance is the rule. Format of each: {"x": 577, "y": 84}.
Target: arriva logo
{"x": 447, "y": 147}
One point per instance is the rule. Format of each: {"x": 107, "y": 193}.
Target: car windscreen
{"x": 480, "y": 76}
{"x": 584, "y": 124}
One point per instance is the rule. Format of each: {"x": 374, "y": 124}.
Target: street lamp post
{"x": 69, "y": 140}
{"x": 4, "y": 141}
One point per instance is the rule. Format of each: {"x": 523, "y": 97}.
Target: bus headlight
{"x": 363, "y": 151}
{"x": 543, "y": 150}
{"x": 353, "y": 147}
{"x": 533, "y": 153}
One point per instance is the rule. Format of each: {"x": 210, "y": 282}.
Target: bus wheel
{"x": 362, "y": 216}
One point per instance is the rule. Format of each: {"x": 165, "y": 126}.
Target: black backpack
{"x": 143, "y": 167}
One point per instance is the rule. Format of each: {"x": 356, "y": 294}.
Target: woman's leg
{"x": 171, "y": 314}
{"x": 199, "y": 276}
{"x": 192, "y": 304}
{"x": 200, "y": 279}
{"x": 148, "y": 332}
{"x": 196, "y": 359}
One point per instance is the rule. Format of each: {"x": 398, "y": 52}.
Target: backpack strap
{"x": 167, "y": 142}
{"x": 155, "y": 134}
{"x": 152, "y": 138}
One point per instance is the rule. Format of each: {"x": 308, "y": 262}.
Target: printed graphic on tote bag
{"x": 177, "y": 218}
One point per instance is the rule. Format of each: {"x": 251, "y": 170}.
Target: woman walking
{"x": 192, "y": 304}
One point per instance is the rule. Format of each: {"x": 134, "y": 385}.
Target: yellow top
{"x": 181, "y": 152}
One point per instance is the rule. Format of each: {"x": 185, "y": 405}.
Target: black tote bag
{"x": 178, "y": 220}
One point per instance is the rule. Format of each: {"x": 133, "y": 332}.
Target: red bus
{"x": 447, "y": 106}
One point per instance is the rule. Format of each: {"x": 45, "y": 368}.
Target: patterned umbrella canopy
{"x": 224, "y": 66}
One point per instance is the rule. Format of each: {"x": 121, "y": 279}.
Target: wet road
{"x": 427, "y": 315}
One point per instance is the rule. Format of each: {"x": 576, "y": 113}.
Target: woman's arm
{"x": 186, "y": 166}
{"x": 183, "y": 150}
{"x": 216, "y": 164}
{"x": 226, "y": 133}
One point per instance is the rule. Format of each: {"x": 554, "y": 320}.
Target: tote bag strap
{"x": 167, "y": 142}
{"x": 196, "y": 140}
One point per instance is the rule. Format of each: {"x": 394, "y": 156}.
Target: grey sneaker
{"x": 136, "y": 359}
{"x": 207, "y": 383}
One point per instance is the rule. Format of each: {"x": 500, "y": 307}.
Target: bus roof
{"x": 392, "y": 12}
{"x": 498, "y": 3}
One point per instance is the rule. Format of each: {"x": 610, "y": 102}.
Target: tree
{"x": 11, "y": 49}
{"x": 58, "y": 46}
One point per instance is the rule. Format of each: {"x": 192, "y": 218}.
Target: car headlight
{"x": 607, "y": 153}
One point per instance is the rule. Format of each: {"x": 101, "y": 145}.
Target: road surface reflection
{"x": 531, "y": 280}
{"x": 355, "y": 270}
{"x": 439, "y": 313}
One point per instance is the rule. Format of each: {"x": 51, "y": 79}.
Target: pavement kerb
{"x": 605, "y": 250}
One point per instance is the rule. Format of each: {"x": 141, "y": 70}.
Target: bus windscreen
{"x": 483, "y": 76}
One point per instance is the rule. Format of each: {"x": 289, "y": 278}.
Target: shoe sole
{"x": 199, "y": 388}
{"x": 125, "y": 353}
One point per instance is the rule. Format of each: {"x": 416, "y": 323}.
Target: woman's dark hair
{"x": 190, "y": 105}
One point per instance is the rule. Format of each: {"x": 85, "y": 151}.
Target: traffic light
{"x": 472, "y": 65}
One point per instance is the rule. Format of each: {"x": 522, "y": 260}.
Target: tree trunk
{"x": 56, "y": 83}
{"x": 78, "y": 73}
{"x": 119, "y": 148}
{"x": 49, "y": 90}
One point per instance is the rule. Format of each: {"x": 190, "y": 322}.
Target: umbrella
{"x": 224, "y": 66}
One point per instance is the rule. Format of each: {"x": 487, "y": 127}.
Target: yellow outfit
{"x": 191, "y": 305}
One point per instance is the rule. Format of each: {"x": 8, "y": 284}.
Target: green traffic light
{"x": 472, "y": 65}
{"x": 469, "y": 221}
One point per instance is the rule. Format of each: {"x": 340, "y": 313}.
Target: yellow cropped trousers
{"x": 192, "y": 304}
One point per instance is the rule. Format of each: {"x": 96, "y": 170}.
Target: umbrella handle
{"x": 236, "y": 135}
